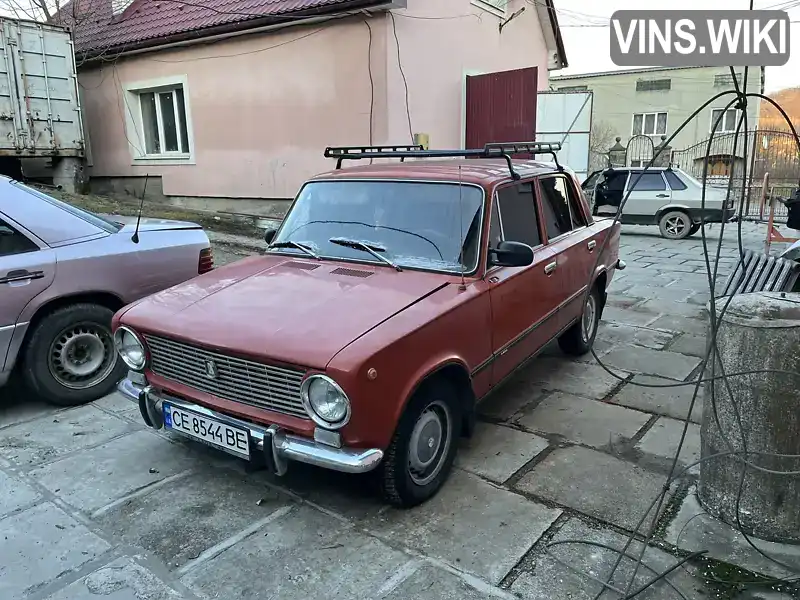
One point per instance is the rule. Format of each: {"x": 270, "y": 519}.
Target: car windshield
{"x": 424, "y": 225}
{"x": 90, "y": 217}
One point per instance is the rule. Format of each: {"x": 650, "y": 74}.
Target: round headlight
{"x": 325, "y": 402}
{"x": 130, "y": 348}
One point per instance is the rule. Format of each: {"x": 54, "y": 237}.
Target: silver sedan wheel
{"x": 675, "y": 225}
{"x": 429, "y": 443}
{"x": 82, "y": 355}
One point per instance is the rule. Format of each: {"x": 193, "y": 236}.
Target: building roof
{"x": 144, "y": 23}
{"x": 626, "y": 72}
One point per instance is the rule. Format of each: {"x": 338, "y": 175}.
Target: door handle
{"x": 21, "y": 275}
{"x": 591, "y": 245}
{"x": 548, "y": 270}
{"x": 662, "y": 195}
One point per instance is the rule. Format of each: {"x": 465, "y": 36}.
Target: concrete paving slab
{"x": 17, "y": 406}
{"x": 690, "y": 345}
{"x": 497, "y": 452}
{"x": 679, "y": 324}
{"x": 551, "y": 579}
{"x": 119, "y": 405}
{"x": 584, "y": 421}
{"x": 39, "y": 545}
{"x": 628, "y": 316}
{"x": 14, "y": 494}
{"x": 663, "y": 438}
{"x": 646, "y": 361}
{"x": 669, "y": 401}
{"x": 660, "y": 293}
{"x": 431, "y": 583}
{"x": 179, "y": 522}
{"x": 672, "y": 307}
{"x": 521, "y": 389}
{"x": 94, "y": 478}
{"x": 471, "y": 524}
{"x": 616, "y": 334}
{"x": 122, "y": 579}
{"x": 595, "y": 484}
{"x": 692, "y": 530}
{"x": 591, "y": 381}
{"x": 51, "y": 436}
{"x": 305, "y": 554}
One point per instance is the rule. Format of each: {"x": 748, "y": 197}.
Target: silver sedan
{"x": 63, "y": 273}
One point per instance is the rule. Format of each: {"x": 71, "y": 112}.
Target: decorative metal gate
{"x": 640, "y": 151}
{"x": 767, "y": 151}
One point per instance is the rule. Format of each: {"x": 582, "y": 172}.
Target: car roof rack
{"x": 493, "y": 150}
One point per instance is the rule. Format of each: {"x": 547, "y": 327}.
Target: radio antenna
{"x": 461, "y": 236}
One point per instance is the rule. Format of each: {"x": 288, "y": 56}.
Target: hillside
{"x": 770, "y": 118}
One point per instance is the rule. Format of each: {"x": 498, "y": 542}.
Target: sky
{"x": 585, "y": 30}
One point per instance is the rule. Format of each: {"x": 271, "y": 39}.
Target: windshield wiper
{"x": 373, "y": 249}
{"x": 297, "y": 245}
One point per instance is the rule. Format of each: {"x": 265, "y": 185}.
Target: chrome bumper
{"x": 277, "y": 445}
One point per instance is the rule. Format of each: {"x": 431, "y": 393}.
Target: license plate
{"x": 211, "y": 431}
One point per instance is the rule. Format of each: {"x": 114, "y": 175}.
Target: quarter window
{"x": 560, "y": 207}
{"x": 13, "y": 242}
{"x": 518, "y": 215}
{"x": 674, "y": 181}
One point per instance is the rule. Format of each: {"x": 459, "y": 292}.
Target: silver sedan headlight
{"x": 130, "y": 348}
{"x": 325, "y": 402}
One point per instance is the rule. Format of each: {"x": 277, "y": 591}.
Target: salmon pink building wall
{"x": 262, "y": 107}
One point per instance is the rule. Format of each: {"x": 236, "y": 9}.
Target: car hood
{"x": 275, "y": 308}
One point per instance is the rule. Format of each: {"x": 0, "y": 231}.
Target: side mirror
{"x": 269, "y": 235}
{"x": 511, "y": 254}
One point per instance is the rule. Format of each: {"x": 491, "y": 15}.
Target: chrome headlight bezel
{"x": 121, "y": 331}
{"x": 309, "y": 407}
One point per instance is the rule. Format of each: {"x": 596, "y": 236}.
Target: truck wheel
{"x": 70, "y": 357}
{"x": 675, "y": 225}
{"x": 578, "y": 339}
{"x": 420, "y": 456}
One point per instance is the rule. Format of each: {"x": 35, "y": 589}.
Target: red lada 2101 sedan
{"x": 392, "y": 299}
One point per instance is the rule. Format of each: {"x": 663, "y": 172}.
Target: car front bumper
{"x": 273, "y": 443}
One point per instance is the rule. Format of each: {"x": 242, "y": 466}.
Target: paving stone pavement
{"x": 566, "y": 461}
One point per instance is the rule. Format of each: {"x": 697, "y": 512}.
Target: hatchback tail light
{"x": 206, "y": 261}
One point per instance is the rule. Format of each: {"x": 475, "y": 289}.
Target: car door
{"x": 27, "y": 268}
{"x": 647, "y": 196}
{"x": 572, "y": 240}
{"x": 523, "y": 299}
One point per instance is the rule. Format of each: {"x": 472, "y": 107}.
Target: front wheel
{"x": 578, "y": 339}
{"x": 70, "y": 357}
{"x": 675, "y": 225}
{"x": 420, "y": 456}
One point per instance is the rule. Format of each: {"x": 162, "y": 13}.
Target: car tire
{"x": 409, "y": 473}
{"x": 70, "y": 358}
{"x": 675, "y": 225}
{"x": 579, "y": 339}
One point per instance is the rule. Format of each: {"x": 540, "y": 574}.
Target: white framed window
{"x": 649, "y": 123}
{"x": 496, "y": 7}
{"x": 727, "y": 123}
{"x": 158, "y": 113}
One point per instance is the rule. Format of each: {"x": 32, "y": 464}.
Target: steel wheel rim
{"x": 589, "y": 317}
{"x": 429, "y": 443}
{"x": 675, "y": 226}
{"x": 81, "y": 356}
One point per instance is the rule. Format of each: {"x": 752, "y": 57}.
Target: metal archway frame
{"x": 640, "y": 147}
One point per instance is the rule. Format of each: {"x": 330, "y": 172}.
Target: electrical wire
{"x": 739, "y": 101}
{"x": 403, "y": 74}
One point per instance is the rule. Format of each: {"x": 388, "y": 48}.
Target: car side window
{"x": 674, "y": 181}
{"x": 576, "y": 212}
{"x": 13, "y": 242}
{"x": 517, "y": 211}
{"x": 555, "y": 206}
{"x": 649, "y": 182}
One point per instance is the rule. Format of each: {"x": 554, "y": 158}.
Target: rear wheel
{"x": 578, "y": 339}
{"x": 70, "y": 357}
{"x": 675, "y": 225}
{"x": 420, "y": 457}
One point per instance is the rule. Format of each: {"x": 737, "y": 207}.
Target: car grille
{"x": 237, "y": 379}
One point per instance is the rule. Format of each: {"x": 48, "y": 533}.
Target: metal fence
{"x": 767, "y": 151}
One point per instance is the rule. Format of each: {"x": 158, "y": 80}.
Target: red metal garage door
{"x": 501, "y": 107}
